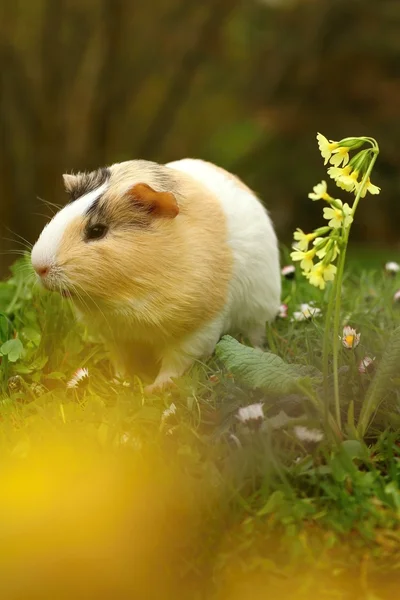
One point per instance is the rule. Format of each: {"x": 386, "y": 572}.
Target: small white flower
{"x": 307, "y": 311}
{"x": 168, "y": 412}
{"x": 253, "y": 412}
{"x": 304, "y": 434}
{"x": 396, "y": 297}
{"x": 78, "y": 377}
{"x": 288, "y": 272}
{"x": 350, "y": 338}
{"x": 392, "y": 267}
{"x": 366, "y": 364}
{"x": 283, "y": 310}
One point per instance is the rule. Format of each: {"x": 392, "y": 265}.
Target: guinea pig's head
{"x": 106, "y": 238}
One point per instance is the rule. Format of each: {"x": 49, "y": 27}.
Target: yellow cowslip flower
{"x": 319, "y": 192}
{"x": 320, "y": 274}
{"x": 326, "y": 147}
{"x": 303, "y": 239}
{"x": 339, "y": 216}
{"x": 340, "y": 156}
{"x": 343, "y": 177}
{"x": 306, "y": 258}
{"x": 368, "y": 187}
{"x": 349, "y": 182}
{"x": 330, "y": 246}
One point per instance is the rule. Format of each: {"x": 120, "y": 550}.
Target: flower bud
{"x": 352, "y": 143}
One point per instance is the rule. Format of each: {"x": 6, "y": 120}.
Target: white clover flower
{"x": 392, "y": 267}
{"x": 307, "y": 311}
{"x": 288, "y": 272}
{"x": 396, "y": 297}
{"x": 365, "y": 365}
{"x": 168, "y": 412}
{"x": 79, "y": 376}
{"x": 304, "y": 434}
{"x": 350, "y": 338}
{"x": 253, "y": 412}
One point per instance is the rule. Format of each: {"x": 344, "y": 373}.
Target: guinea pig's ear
{"x": 163, "y": 204}
{"x": 70, "y": 182}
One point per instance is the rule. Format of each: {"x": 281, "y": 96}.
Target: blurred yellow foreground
{"x": 81, "y": 522}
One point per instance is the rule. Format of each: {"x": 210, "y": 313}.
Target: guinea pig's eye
{"x": 96, "y": 232}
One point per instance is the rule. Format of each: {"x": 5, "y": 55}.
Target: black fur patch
{"x": 87, "y": 182}
{"x": 97, "y": 210}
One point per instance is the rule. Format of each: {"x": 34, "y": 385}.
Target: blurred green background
{"x": 243, "y": 83}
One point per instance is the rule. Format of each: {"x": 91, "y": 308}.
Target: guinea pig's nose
{"x": 42, "y": 270}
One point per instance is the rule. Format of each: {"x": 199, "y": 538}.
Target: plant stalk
{"x": 325, "y": 353}
{"x": 338, "y": 294}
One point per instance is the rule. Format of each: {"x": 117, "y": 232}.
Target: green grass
{"x": 236, "y": 511}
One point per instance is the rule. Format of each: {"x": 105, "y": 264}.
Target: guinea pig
{"x": 163, "y": 260}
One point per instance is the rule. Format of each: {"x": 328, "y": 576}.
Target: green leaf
{"x": 387, "y": 371}
{"x": 263, "y": 370}
{"x": 13, "y": 349}
{"x": 275, "y": 501}
{"x": 31, "y": 335}
{"x": 55, "y": 375}
{"x": 354, "y": 449}
{"x": 392, "y": 490}
{"x": 5, "y": 328}
{"x": 149, "y": 414}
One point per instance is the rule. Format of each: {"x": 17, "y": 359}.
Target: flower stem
{"x": 337, "y": 294}
{"x": 325, "y": 352}
{"x": 336, "y": 324}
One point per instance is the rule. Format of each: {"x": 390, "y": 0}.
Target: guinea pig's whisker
{"x": 96, "y": 305}
{"x": 24, "y": 248}
{"x": 14, "y": 251}
{"x": 79, "y": 296}
{"x": 60, "y": 289}
{"x": 37, "y": 214}
{"x": 93, "y": 301}
{"x": 26, "y": 243}
{"x": 51, "y": 205}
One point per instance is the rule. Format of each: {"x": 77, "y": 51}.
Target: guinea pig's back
{"x": 256, "y": 283}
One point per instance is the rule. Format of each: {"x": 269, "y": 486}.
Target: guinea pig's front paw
{"x": 161, "y": 383}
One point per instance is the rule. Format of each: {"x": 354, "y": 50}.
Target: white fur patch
{"x": 44, "y": 252}
{"x": 254, "y": 295}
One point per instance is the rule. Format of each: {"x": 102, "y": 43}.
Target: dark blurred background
{"x": 243, "y": 83}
